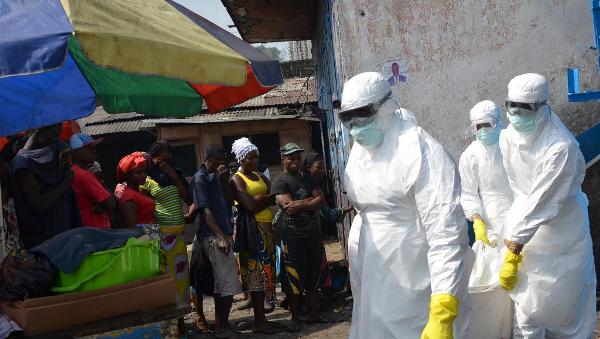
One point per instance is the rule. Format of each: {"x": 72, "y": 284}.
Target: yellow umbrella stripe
{"x": 152, "y": 37}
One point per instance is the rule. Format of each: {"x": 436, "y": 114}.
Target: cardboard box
{"x": 47, "y": 314}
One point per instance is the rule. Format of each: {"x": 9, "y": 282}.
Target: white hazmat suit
{"x": 485, "y": 191}
{"x": 484, "y": 184}
{"x": 554, "y": 293}
{"x": 409, "y": 240}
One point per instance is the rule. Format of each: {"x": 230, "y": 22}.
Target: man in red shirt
{"x": 95, "y": 202}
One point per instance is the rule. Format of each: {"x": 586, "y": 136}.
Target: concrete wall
{"x": 459, "y": 52}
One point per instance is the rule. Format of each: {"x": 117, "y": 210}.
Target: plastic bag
{"x": 201, "y": 272}
{"x": 484, "y": 276}
{"x": 26, "y": 275}
{"x": 246, "y": 232}
{"x": 491, "y": 313}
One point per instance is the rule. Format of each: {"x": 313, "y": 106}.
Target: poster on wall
{"x": 395, "y": 70}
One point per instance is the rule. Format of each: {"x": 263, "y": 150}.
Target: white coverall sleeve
{"x": 561, "y": 177}
{"x": 469, "y": 185}
{"x": 437, "y": 199}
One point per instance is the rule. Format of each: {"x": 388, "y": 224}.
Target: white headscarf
{"x": 241, "y": 147}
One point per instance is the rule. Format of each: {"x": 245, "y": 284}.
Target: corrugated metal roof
{"x": 283, "y": 102}
{"x": 100, "y": 116}
{"x": 295, "y": 97}
{"x": 117, "y": 126}
{"x": 270, "y": 113}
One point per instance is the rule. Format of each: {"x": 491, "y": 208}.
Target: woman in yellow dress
{"x": 257, "y": 267}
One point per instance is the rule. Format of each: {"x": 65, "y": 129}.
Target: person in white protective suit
{"x": 485, "y": 194}
{"x": 548, "y": 266}
{"x": 486, "y": 198}
{"x": 408, "y": 245}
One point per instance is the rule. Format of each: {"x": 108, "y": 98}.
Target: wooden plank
{"x": 112, "y": 324}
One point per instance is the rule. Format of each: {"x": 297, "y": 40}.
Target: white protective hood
{"x": 528, "y": 88}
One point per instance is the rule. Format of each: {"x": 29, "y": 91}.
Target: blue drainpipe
{"x": 574, "y": 93}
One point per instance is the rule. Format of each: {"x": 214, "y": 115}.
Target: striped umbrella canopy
{"x": 59, "y": 58}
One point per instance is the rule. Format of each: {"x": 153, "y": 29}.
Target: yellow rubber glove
{"x": 480, "y": 230}
{"x": 443, "y": 309}
{"x": 508, "y": 272}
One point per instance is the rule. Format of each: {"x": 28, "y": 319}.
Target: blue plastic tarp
{"x": 32, "y": 101}
{"x": 589, "y": 143}
{"x": 33, "y": 36}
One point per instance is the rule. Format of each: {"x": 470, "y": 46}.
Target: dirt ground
{"x": 339, "y": 309}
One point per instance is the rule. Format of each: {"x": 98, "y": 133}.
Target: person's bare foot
{"x": 202, "y": 324}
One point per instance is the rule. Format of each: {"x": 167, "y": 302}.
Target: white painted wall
{"x": 462, "y": 51}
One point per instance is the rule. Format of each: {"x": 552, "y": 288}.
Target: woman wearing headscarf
{"x": 251, "y": 190}
{"x": 134, "y": 207}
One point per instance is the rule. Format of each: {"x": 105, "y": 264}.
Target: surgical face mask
{"x": 368, "y": 136}
{"x": 523, "y": 124}
{"x": 488, "y": 135}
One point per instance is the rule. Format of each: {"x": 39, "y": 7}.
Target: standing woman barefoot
{"x": 251, "y": 190}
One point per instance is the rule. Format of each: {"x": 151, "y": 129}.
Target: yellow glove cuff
{"x": 479, "y": 223}
{"x": 443, "y": 308}
{"x": 480, "y": 230}
{"x": 512, "y": 258}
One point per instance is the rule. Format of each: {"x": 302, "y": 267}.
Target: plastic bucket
{"x": 136, "y": 260}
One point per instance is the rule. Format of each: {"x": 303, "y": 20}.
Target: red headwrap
{"x": 68, "y": 129}
{"x": 3, "y": 142}
{"x": 130, "y": 163}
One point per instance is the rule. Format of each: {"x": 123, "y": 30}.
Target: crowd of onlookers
{"x": 251, "y": 232}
